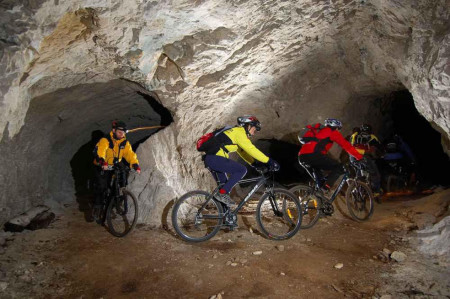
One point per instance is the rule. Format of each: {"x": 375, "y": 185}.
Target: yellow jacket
{"x": 122, "y": 149}
{"x": 364, "y": 145}
{"x": 243, "y": 146}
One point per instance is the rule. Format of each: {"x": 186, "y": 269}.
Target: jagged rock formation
{"x": 289, "y": 62}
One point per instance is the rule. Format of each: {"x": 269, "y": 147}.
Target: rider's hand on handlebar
{"x": 104, "y": 164}
{"x": 137, "y": 168}
{"x": 357, "y": 163}
{"x": 273, "y": 165}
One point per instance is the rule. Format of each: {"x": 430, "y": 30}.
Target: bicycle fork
{"x": 275, "y": 209}
{"x": 358, "y": 197}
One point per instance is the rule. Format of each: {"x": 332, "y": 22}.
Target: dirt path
{"x": 76, "y": 259}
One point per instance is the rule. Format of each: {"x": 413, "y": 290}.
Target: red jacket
{"x": 326, "y": 137}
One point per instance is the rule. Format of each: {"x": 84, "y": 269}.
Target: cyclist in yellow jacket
{"x": 366, "y": 143}
{"x": 235, "y": 139}
{"x": 108, "y": 151}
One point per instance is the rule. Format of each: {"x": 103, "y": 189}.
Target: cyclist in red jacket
{"x": 318, "y": 141}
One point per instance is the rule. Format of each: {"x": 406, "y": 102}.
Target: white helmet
{"x": 249, "y": 120}
{"x": 333, "y": 123}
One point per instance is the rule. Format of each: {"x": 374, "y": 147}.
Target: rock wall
{"x": 288, "y": 62}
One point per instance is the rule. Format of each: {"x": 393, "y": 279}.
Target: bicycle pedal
{"x": 231, "y": 226}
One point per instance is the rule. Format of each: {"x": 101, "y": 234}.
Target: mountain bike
{"x": 120, "y": 208}
{"x": 315, "y": 203}
{"x": 197, "y": 215}
{"x": 400, "y": 178}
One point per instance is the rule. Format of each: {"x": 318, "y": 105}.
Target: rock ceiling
{"x": 289, "y": 62}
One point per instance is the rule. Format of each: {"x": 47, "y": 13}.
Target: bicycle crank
{"x": 327, "y": 208}
{"x": 231, "y": 220}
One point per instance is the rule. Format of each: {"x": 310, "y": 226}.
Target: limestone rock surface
{"x": 288, "y": 62}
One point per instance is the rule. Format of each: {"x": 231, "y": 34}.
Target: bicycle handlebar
{"x": 123, "y": 167}
{"x": 358, "y": 165}
{"x": 264, "y": 170}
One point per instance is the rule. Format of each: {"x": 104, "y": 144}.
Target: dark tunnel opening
{"x": 285, "y": 153}
{"x": 424, "y": 140}
{"x": 401, "y": 118}
{"x": 165, "y": 118}
{"x": 60, "y": 131}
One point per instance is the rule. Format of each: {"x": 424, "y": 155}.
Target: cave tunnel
{"x": 143, "y": 112}
{"x": 60, "y": 133}
{"x": 432, "y": 162}
{"x": 138, "y": 109}
{"x": 397, "y": 116}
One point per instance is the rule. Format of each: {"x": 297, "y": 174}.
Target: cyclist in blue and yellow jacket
{"x": 236, "y": 139}
{"x": 109, "y": 150}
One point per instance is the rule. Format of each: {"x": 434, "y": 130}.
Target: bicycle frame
{"x": 114, "y": 188}
{"x": 261, "y": 180}
{"x": 317, "y": 186}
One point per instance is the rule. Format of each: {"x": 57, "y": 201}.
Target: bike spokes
{"x": 279, "y": 214}
{"x": 196, "y": 216}
{"x": 122, "y": 214}
{"x": 310, "y": 204}
{"x": 359, "y": 201}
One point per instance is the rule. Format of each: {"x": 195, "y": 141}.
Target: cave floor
{"x": 78, "y": 259}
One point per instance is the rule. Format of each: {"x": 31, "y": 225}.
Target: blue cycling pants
{"x": 222, "y": 166}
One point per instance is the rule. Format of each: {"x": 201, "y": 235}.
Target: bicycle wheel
{"x": 279, "y": 216}
{"x": 359, "y": 201}
{"x": 310, "y": 203}
{"x": 395, "y": 183}
{"x": 122, "y": 214}
{"x": 196, "y": 217}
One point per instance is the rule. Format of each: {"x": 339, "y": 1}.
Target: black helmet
{"x": 366, "y": 128}
{"x": 249, "y": 120}
{"x": 333, "y": 123}
{"x": 391, "y": 147}
{"x": 119, "y": 125}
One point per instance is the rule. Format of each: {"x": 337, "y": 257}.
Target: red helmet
{"x": 249, "y": 120}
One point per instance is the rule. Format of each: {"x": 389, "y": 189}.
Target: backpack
{"x": 308, "y": 133}
{"x": 213, "y": 141}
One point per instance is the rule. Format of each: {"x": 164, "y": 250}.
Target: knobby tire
{"x": 190, "y": 216}
{"x": 311, "y": 205}
{"x": 359, "y": 199}
{"x": 122, "y": 214}
{"x": 282, "y": 223}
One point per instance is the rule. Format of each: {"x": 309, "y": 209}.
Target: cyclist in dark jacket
{"x": 318, "y": 143}
{"x": 398, "y": 152}
{"x": 398, "y": 149}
